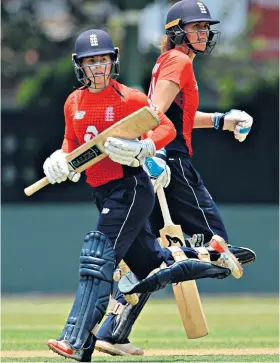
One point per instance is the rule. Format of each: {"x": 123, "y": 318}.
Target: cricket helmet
{"x": 91, "y": 43}
{"x": 187, "y": 12}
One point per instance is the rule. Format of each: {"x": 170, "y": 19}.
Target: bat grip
{"x": 164, "y": 206}
{"x": 33, "y": 188}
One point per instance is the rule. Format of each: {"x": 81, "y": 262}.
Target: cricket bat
{"x": 186, "y": 293}
{"x": 90, "y": 153}
{"x": 132, "y": 299}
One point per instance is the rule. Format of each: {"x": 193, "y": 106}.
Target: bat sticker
{"x": 173, "y": 241}
{"x": 86, "y": 156}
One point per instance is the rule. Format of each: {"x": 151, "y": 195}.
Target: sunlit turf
{"x": 235, "y": 323}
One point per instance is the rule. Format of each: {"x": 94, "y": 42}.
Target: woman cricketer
{"x": 174, "y": 90}
{"x": 122, "y": 191}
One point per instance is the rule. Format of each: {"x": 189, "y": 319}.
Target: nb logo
{"x": 173, "y": 241}
{"x": 105, "y": 211}
{"x": 79, "y": 115}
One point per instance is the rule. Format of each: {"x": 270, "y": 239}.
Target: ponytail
{"x": 166, "y": 44}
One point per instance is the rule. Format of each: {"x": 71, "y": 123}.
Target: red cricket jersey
{"x": 88, "y": 114}
{"x": 176, "y": 66}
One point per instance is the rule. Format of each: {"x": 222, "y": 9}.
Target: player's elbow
{"x": 173, "y": 132}
{"x": 170, "y": 136}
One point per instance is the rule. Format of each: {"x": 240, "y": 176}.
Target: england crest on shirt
{"x": 109, "y": 114}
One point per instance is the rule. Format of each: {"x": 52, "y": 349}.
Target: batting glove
{"x": 158, "y": 171}
{"x": 129, "y": 152}
{"x": 56, "y": 168}
{"x": 239, "y": 122}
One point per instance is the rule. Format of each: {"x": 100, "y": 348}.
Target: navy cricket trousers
{"x": 191, "y": 206}
{"x": 124, "y": 206}
{"x": 190, "y": 203}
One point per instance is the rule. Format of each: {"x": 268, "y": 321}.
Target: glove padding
{"x": 129, "y": 152}
{"x": 239, "y": 122}
{"x": 74, "y": 177}
{"x": 158, "y": 171}
{"x": 56, "y": 168}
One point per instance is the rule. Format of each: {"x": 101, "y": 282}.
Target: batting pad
{"x": 127, "y": 318}
{"x": 97, "y": 263}
{"x": 178, "y": 272}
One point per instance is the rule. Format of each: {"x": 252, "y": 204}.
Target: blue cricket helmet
{"x": 94, "y": 42}
{"x": 91, "y": 43}
{"x": 187, "y": 12}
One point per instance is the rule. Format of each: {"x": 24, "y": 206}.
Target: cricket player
{"x": 174, "y": 91}
{"x": 123, "y": 194}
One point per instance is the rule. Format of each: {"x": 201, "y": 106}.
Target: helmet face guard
{"x": 89, "y": 80}
{"x": 178, "y": 35}
{"x": 189, "y": 12}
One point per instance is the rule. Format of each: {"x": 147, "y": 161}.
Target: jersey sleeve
{"x": 70, "y": 141}
{"x": 176, "y": 68}
{"x": 161, "y": 135}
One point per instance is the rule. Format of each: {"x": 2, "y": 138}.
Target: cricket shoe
{"x": 118, "y": 349}
{"x": 63, "y": 348}
{"x": 227, "y": 259}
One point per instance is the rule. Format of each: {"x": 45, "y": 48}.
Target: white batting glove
{"x": 74, "y": 177}
{"x": 158, "y": 171}
{"x": 243, "y": 128}
{"x": 129, "y": 152}
{"x": 239, "y": 122}
{"x": 56, "y": 168}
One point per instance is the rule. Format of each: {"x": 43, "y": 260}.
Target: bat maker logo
{"x": 86, "y": 156}
{"x": 173, "y": 241}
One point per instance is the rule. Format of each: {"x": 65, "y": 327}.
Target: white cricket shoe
{"x": 227, "y": 259}
{"x": 118, "y": 349}
{"x": 63, "y": 348}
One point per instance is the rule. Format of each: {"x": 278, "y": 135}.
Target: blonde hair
{"x": 166, "y": 44}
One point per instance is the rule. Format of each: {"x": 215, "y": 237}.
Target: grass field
{"x": 242, "y": 329}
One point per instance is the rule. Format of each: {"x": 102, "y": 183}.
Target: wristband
{"x": 218, "y": 120}
{"x": 161, "y": 154}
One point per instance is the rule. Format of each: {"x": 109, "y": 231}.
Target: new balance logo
{"x": 93, "y": 40}
{"x": 109, "y": 114}
{"x": 105, "y": 211}
{"x": 173, "y": 241}
{"x": 202, "y": 7}
{"x": 79, "y": 115}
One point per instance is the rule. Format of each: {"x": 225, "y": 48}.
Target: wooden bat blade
{"x": 186, "y": 293}
{"x": 130, "y": 127}
{"x": 191, "y": 310}
{"x": 88, "y": 154}
{"x": 172, "y": 236}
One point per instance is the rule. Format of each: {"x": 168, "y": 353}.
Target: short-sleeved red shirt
{"x": 176, "y": 66}
{"x": 88, "y": 114}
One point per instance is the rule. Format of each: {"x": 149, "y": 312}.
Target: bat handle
{"x": 36, "y": 186}
{"x": 164, "y": 206}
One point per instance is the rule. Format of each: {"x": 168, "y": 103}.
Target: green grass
{"x": 222, "y": 358}
{"x": 235, "y": 323}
